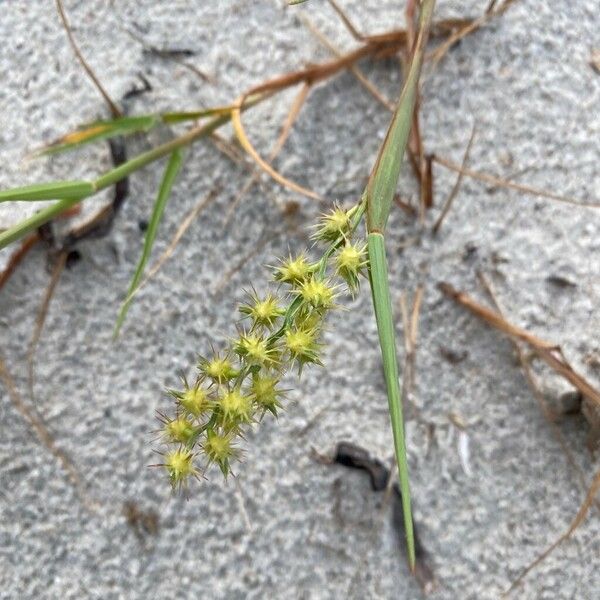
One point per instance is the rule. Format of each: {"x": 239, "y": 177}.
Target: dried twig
{"x": 579, "y": 517}
{"x": 454, "y": 192}
{"x": 44, "y": 436}
{"x": 499, "y": 182}
{"x": 359, "y": 37}
{"x": 114, "y": 109}
{"x": 469, "y": 28}
{"x": 535, "y": 388}
{"x": 546, "y": 351}
{"x": 59, "y": 266}
{"x": 360, "y": 76}
{"x": 286, "y": 129}
{"x": 26, "y": 245}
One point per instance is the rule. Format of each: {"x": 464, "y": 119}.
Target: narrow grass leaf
{"x": 384, "y": 177}
{"x": 100, "y": 130}
{"x": 179, "y": 117}
{"x": 56, "y": 190}
{"x": 173, "y": 167}
{"x": 36, "y": 220}
{"x": 380, "y": 191}
{"x": 103, "y": 130}
{"x": 113, "y": 176}
{"x": 385, "y": 327}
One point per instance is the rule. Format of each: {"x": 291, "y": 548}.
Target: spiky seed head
{"x": 235, "y": 408}
{"x": 218, "y": 368}
{"x": 194, "y": 401}
{"x": 349, "y": 262}
{"x": 302, "y": 346}
{"x": 254, "y": 349}
{"x": 263, "y": 312}
{"x": 294, "y": 270}
{"x": 265, "y": 393}
{"x": 318, "y": 293}
{"x": 218, "y": 448}
{"x": 180, "y": 430}
{"x": 333, "y": 225}
{"x": 309, "y": 319}
{"x": 180, "y": 466}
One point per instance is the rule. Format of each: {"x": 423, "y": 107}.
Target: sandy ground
{"x": 311, "y": 531}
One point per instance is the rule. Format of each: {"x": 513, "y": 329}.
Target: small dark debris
{"x": 134, "y": 91}
{"x": 350, "y": 455}
{"x": 560, "y": 281}
{"x": 453, "y": 356}
{"x": 143, "y": 522}
{"x": 570, "y": 402}
{"x": 498, "y": 259}
{"x": 291, "y": 208}
{"x": 469, "y": 252}
{"x": 168, "y": 52}
{"x": 143, "y": 225}
{"x": 73, "y": 257}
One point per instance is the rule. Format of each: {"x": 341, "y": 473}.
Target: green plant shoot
{"x": 171, "y": 172}
{"x": 380, "y": 193}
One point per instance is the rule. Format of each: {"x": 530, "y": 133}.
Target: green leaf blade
{"x": 164, "y": 193}
{"x": 384, "y": 177}
{"x": 182, "y": 116}
{"x": 100, "y": 130}
{"x": 25, "y": 226}
{"x": 56, "y": 190}
{"x": 385, "y": 327}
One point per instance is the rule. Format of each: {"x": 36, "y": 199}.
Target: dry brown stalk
{"x": 550, "y": 353}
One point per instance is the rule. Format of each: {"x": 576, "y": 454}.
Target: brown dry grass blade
{"x": 359, "y": 37}
{"x": 59, "y": 267}
{"x": 535, "y": 389}
{"x": 549, "y": 353}
{"x": 286, "y": 129}
{"x": 28, "y": 243}
{"x": 454, "y": 192}
{"x": 291, "y": 118}
{"x": 363, "y": 80}
{"x": 443, "y": 28}
{"x": 469, "y": 28}
{"x": 503, "y": 183}
{"x": 236, "y": 120}
{"x": 44, "y": 436}
{"x": 579, "y": 517}
{"x": 114, "y": 109}
{"x": 427, "y": 183}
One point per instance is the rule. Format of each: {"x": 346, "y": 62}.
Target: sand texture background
{"x": 315, "y": 531}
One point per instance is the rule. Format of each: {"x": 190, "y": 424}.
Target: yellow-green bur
{"x": 380, "y": 193}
